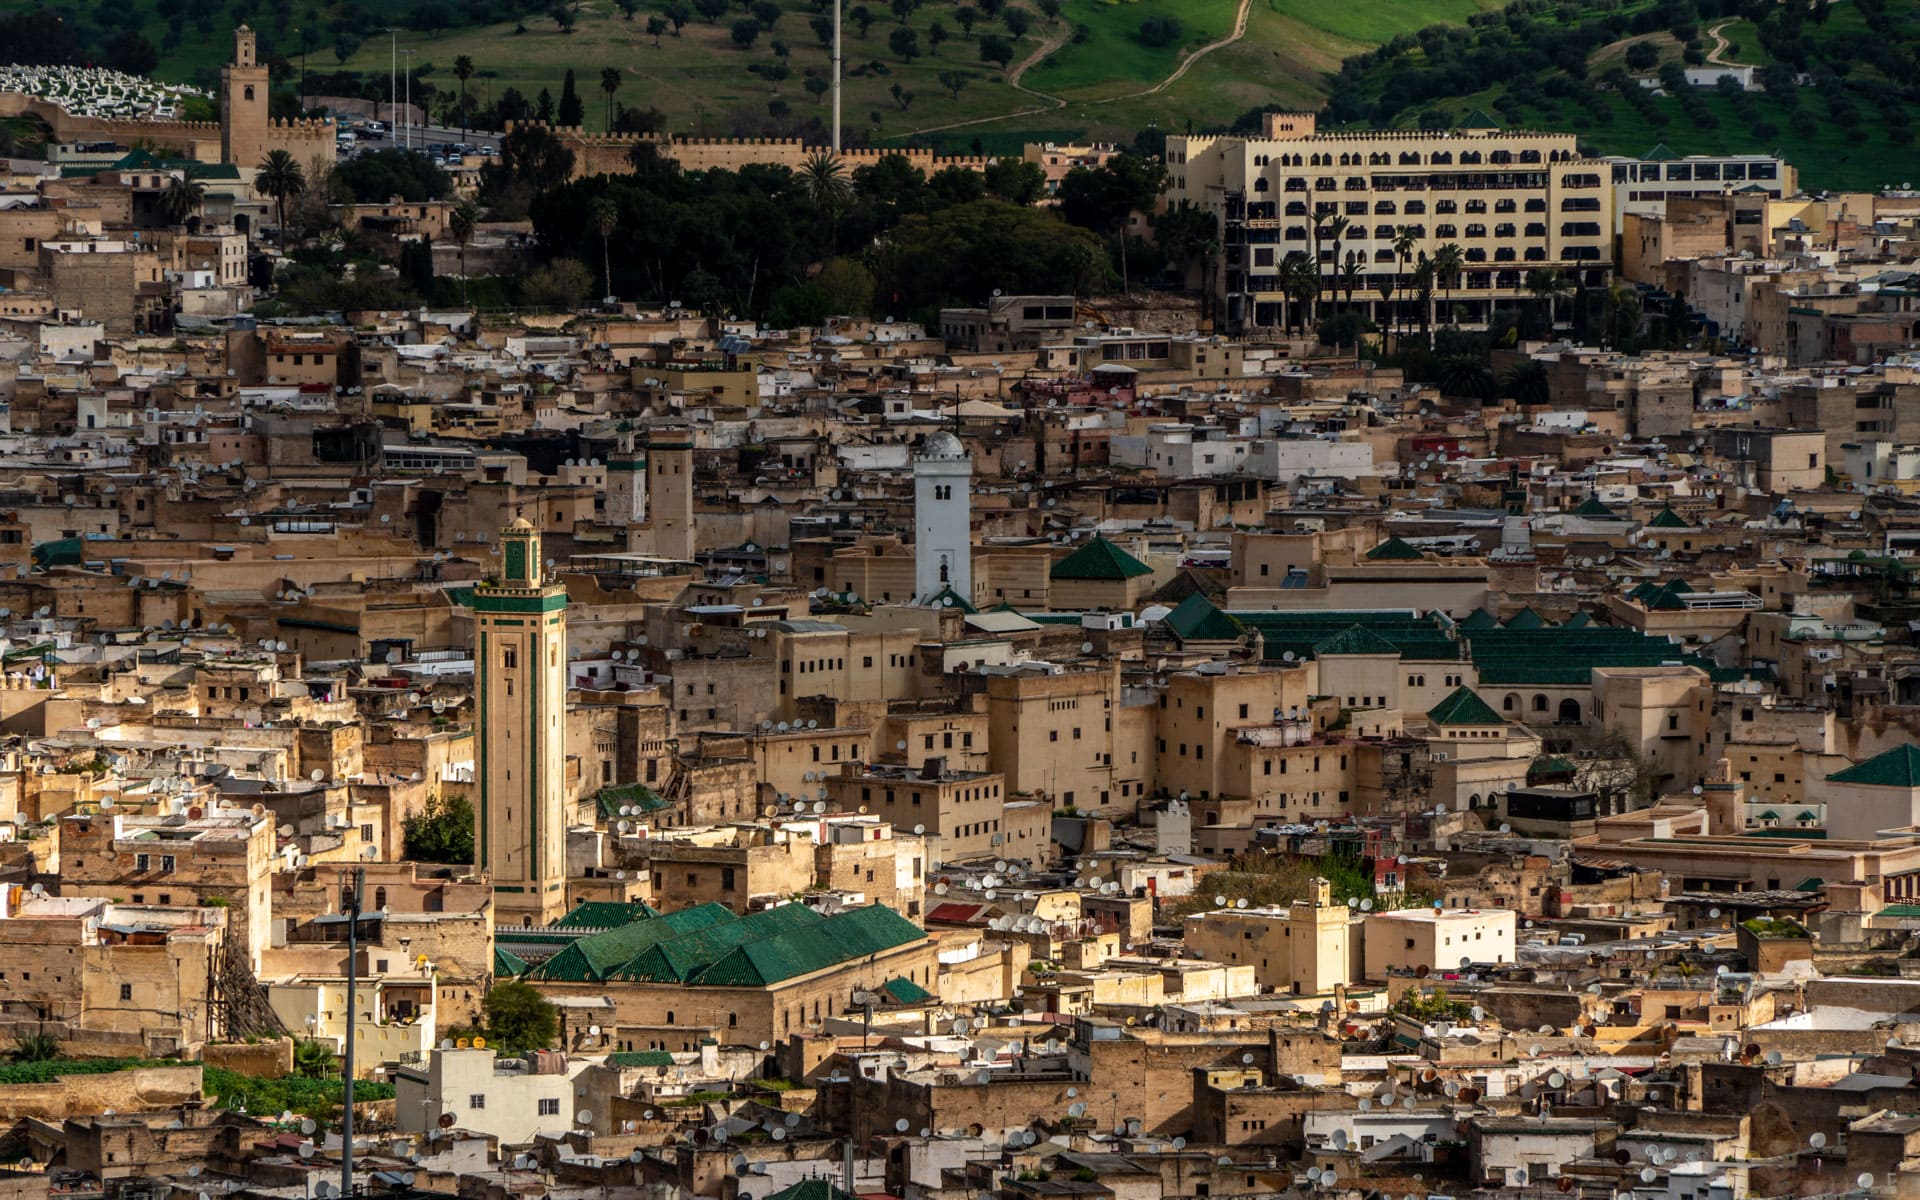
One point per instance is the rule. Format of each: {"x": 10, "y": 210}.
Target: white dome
{"x": 942, "y": 445}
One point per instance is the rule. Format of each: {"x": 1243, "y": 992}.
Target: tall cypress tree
{"x": 572, "y": 112}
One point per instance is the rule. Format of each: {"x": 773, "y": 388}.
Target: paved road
{"x": 429, "y": 138}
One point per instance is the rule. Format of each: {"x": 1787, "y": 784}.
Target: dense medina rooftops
{"x": 708, "y": 945}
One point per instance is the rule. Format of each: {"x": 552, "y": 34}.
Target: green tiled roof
{"x": 1099, "y": 559}
{"x": 1579, "y": 620}
{"x": 946, "y": 597}
{"x": 1479, "y": 619}
{"x": 1462, "y": 707}
{"x": 1549, "y": 767}
{"x": 1899, "y": 910}
{"x": 640, "y": 1058}
{"x": 1526, "y": 618}
{"x": 629, "y": 795}
{"x": 679, "y": 959}
{"x": 1807, "y": 814}
{"x": 1422, "y": 637}
{"x": 1567, "y": 656}
{"x": 1195, "y": 619}
{"x": 606, "y": 914}
{"x": 1593, "y": 507}
{"x": 1810, "y": 884}
{"x": 508, "y": 966}
{"x": 811, "y": 1189}
{"x": 1478, "y": 119}
{"x": 905, "y": 991}
{"x": 1355, "y": 639}
{"x": 592, "y": 958}
{"x": 837, "y": 939}
{"x": 1666, "y": 518}
{"x": 1394, "y": 550}
{"x": 1663, "y": 597}
{"x": 62, "y": 552}
{"x": 1898, "y": 768}
{"x": 1769, "y": 815}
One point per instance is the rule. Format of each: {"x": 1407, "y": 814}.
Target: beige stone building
{"x": 1513, "y": 201}
{"x": 1303, "y": 949}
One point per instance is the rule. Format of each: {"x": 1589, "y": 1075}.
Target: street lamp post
{"x": 837, "y": 5}
{"x": 409, "y": 110}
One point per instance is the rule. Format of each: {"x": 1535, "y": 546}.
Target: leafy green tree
{"x": 564, "y": 17}
{"x": 36, "y": 1047}
{"x": 745, "y": 33}
{"x": 443, "y": 831}
{"x": 1105, "y": 197}
{"x": 561, "y": 284}
{"x": 1643, "y": 56}
{"x": 519, "y": 1018}
{"x": 936, "y": 33}
{"x": 861, "y": 16}
{"x": 817, "y": 87}
{"x": 966, "y": 14}
{"x": 605, "y": 215}
{"x": 656, "y": 29}
{"x": 1159, "y": 31}
{"x": 1017, "y": 21}
{"x": 1015, "y": 180}
{"x": 767, "y": 13}
{"x": 376, "y": 176}
{"x": 953, "y": 81}
{"x": 710, "y": 10}
{"x": 679, "y": 14}
{"x": 961, "y": 254}
{"x": 905, "y": 44}
{"x": 572, "y": 111}
{"x": 996, "y": 49}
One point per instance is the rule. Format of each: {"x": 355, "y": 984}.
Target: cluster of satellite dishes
{"x": 794, "y": 727}
{"x": 1019, "y": 924}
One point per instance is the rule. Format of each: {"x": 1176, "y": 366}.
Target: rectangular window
{"x": 476, "y": 1101}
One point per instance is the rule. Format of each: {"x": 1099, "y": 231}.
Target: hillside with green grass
{"x": 1839, "y": 80}
{"x": 957, "y": 73}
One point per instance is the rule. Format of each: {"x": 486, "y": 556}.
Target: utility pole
{"x": 837, "y": 5}
{"x": 409, "y": 99}
{"x": 350, "y": 904}
{"x": 393, "y": 77}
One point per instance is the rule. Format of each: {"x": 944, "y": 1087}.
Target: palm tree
{"x": 1405, "y": 242}
{"x": 1300, "y": 280}
{"x": 460, "y": 223}
{"x": 463, "y": 71}
{"x": 314, "y": 1060}
{"x": 824, "y": 175}
{"x": 1333, "y": 226}
{"x": 1350, "y": 272}
{"x": 1527, "y": 383}
{"x": 1448, "y": 261}
{"x": 279, "y": 175}
{"x": 183, "y": 196}
{"x": 1423, "y": 279}
{"x": 1384, "y": 284}
{"x": 605, "y": 216}
{"x": 610, "y": 80}
{"x": 1547, "y": 284}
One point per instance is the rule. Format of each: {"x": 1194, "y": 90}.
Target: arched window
{"x": 249, "y": 92}
{"x": 1569, "y": 712}
{"x": 1511, "y": 703}
{"x": 1539, "y": 704}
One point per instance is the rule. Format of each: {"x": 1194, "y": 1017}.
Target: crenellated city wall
{"x": 611, "y": 153}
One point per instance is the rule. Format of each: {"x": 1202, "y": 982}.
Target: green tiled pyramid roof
{"x": 1807, "y": 814}
{"x": 811, "y": 1189}
{"x": 1666, "y": 518}
{"x": 1898, "y": 767}
{"x": 946, "y": 597}
{"x": 1478, "y": 119}
{"x": 1579, "y": 620}
{"x": 592, "y": 958}
{"x": 1660, "y": 152}
{"x": 1479, "y": 619}
{"x": 1394, "y": 550}
{"x": 507, "y": 965}
{"x": 848, "y": 935}
{"x": 1526, "y": 619}
{"x": 1099, "y": 559}
{"x": 1195, "y": 619}
{"x": 681, "y": 958}
{"x": 1463, "y": 707}
{"x": 1355, "y": 639}
{"x": 1417, "y": 636}
{"x": 631, "y": 795}
{"x": 1592, "y": 507}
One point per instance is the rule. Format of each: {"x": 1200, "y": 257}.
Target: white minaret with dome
{"x": 942, "y": 519}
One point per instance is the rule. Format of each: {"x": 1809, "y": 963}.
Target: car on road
{"x": 376, "y": 129}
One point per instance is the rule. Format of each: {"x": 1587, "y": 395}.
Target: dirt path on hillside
{"x": 1054, "y": 41}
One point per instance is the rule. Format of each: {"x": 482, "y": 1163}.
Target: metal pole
{"x": 409, "y": 99}
{"x": 837, "y": 5}
{"x": 393, "y": 77}
{"x": 351, "y": 904}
